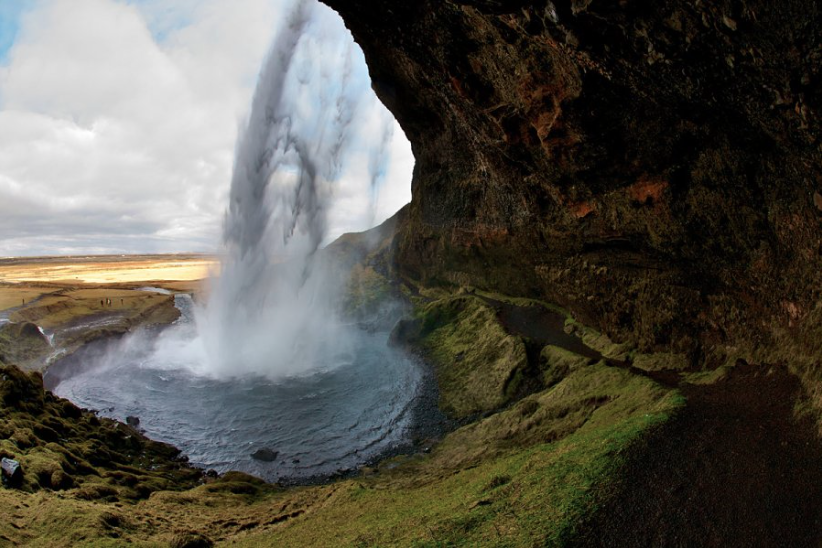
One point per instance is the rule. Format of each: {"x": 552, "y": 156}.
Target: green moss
{"x": 22, "y": 343}
{"x": 556, "y": 363}
{"x": 61, "y": 447}
{"x": 661, "y": 361}
{"x": 513, "y": 479}
{"x": 365, "y": 292}
{"x": 602, "y": 343}
{"x": 475, "y": 359}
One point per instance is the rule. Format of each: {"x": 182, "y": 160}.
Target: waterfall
{"x": 272, "y": 310}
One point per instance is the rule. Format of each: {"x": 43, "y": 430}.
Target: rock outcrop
{"x": 60, "y": 447}
{"x": 654, "y": 167}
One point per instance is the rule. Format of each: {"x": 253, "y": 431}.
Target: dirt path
{"x": 734, "y": 469}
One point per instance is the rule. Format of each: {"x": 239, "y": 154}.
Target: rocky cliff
{"x": 653, "y": 166}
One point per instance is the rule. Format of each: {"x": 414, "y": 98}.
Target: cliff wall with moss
{"x": 653, "y": 166}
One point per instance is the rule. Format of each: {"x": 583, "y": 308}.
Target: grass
{"x": 524, "y": 476}
{"x": 556, "y": 363}
{"x": 473, "y": 355}
{"x": 55, "y": 310}
{"x": 500, "y": 482}
{"x": 14, "y": 295}
{"x": 67, "y": 307}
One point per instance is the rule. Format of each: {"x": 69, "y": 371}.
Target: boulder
{"x": 265, "y": 455}
{"x": 12, "y": 472}
{"x": 191, "y": 540}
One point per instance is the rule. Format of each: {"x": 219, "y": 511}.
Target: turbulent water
{"x": 336, "y": 418}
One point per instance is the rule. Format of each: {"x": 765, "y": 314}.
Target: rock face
{"x": 265, "y": 455}
{"x": 22, "y": 343}
{"x": 653, "y": 166}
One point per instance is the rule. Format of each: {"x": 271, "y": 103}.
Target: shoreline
{"x": 427, "y": 424}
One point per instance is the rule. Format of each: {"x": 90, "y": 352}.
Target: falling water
{"x": 272, "y": 311}
{"x": 269, "y": 363}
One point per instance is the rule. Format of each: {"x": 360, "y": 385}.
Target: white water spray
{"x": 336, "y": 396}
{"x": 272, "y": 311}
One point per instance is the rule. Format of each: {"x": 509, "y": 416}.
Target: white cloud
{"x": 119, "y": 122}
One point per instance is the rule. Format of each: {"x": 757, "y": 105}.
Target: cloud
{"x": 120, "y": 119}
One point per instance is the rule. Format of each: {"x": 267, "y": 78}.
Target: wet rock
{"x": 405, "y": 331}
{"x": 133, "y": 421}
{"x": 12, "y": 472}
{"x": 265, "y": 455}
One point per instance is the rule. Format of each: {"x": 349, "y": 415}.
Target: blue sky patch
{"x": 163, "y": 17}
{"x": 10, "y": 12}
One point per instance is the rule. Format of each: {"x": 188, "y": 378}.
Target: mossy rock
{"x": 557, "y": 363}
{"x": 661, "y": 361}
{"x": 23, "y": 343}
{"x": 63, "y": 447}
{"x": 366, "y": 290}
{"x": 20, "y": 391}
{"x": 476, "y": 360}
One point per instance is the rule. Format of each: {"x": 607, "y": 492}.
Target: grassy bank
{"x": 525, "y": 475}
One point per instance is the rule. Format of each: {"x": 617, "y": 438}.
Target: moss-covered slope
{"x": 63, "y": 448}
{"x": 527, "y": 474}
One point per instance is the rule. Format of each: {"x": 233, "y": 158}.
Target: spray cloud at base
{"x": 272, "y": 311}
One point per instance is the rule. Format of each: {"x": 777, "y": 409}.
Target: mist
{"x": 272, "y": 311}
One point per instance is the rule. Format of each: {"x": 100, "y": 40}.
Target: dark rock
{"x": 405, "y": 331}
{"x": 191, "y": 540}
{"x": 631, "y": 161}
{"x": 12, "y": 472}
{"x": 132, "y": 421}
{"x": 265, "y": 455}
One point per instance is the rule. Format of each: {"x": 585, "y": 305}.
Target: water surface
{"x": 352, "y": 408}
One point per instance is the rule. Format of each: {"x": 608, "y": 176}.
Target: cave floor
{"x": 734, "y": 468}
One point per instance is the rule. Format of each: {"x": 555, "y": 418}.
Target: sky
{"x": 118, "y": 123}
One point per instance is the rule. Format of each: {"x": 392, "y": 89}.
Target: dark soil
{"x": 735, "y": 468}
{"x": 541, "y": 326}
